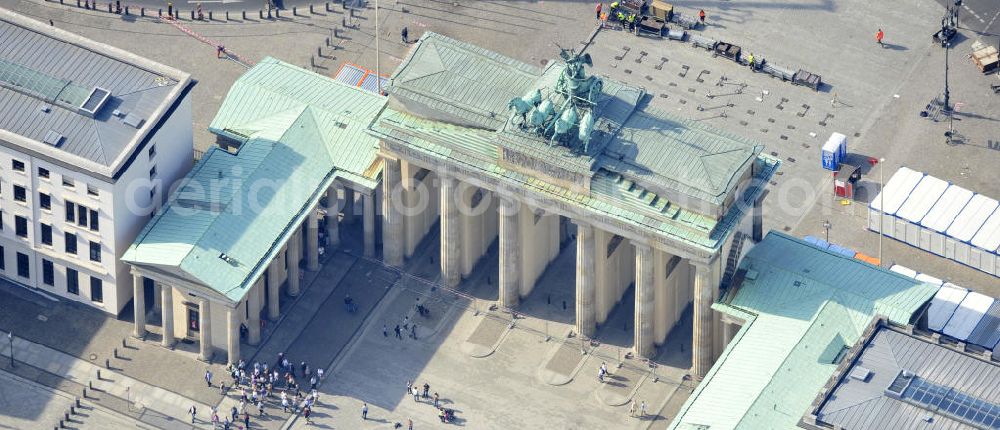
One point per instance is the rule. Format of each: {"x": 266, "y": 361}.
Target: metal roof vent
{"x": 860, "y": 373}
{"x": 133, "y": 120}
{"x": 94, "y": 101}
{"x": 53, "y": 138}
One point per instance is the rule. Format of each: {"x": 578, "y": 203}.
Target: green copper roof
{"x": 273, "y": 88}
{"x": 802, "y": 306}
{"x": 460, "y": 82}
{"x": 234, "y": 211}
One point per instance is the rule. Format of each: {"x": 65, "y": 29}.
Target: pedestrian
{"x": 427, "y": 388}
{"x": 215, "y": 419}
{"x": 193, "y": 411}
{"x": 246, "y": 420}
{"x": 436, "y": 399}
{"x": 409, "y": 424}
{"x": 385, "y": 331}
{"x": 413, "y": 331}
{"x": 312, "y": 383}
{"x": 642, "y": 409}
{"x": 416, "y": 394}
{"x": 600, "y": 375}
{"x": 406, "y": 322}
{"x": 364, "y": 411}
{"x": 597, "y": 10}
{"x": 234, "y": 413}
{"x": 405, "y": 34}
{"x": 284, "y": 403}
{"x": 306, "y": 412}
{"x": 319, "y": 373}
{"x": 408, "y": 387}
{"x": 879, "y": 36}
{"x": 631, "y": 409}
{"x": 398, "y": 332}
{"x": 701, "y": 16}
{"x": 219, "y": 50}
{"x": 604, "y": 367}
{"x": 208, "y": 377}
{"x": 170, "y": 10}
{"x": 260, "y": 407}
{"x": 750, "y": 61}
{"x": 52, "y": 23}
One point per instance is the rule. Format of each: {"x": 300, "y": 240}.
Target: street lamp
{"x": 10, "y": 337}
{"x": 826, "y": 226}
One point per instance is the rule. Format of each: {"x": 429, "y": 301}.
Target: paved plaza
{"x": 496, "y": 372}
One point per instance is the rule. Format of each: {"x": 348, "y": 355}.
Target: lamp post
{"x": 826, "y": 226}
{"x": 378, "y": 71}
{"x": 10, "y": 337}
{"x": 881, "y": 218}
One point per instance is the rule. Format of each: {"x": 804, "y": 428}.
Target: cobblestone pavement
{"x": 29, "y": 405}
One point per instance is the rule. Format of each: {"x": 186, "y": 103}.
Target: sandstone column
{"x": 348, "y": 205}
{"x": 233, "y": 336}
{"x": 510, "y": 252}
{"x": 644, "y": 306}
{"x": 586, "y": 292}
{"x": 332, "y": 218}
{"x": 293, "y": 260}
{"x": 273, "y": 292}
{"x": 451, "y": 241}
{"x": 204, "y": 330}
{"x": 368, "y": 206}
{"x": 139, "y": 304}
{"x": 701, "y": 349}
{"x": 312, "y": 241}
{"x": 253, "y": 306}
{"x": 167, "y": 315}
{"x": 392, "y": 218}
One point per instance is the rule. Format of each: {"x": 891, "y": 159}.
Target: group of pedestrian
{"x": 602, "y": 372}
{"x": 632, "y": 409}
{"x": 423, "y": 393}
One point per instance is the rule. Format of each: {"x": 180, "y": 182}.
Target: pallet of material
{"x": 985, "y": 57}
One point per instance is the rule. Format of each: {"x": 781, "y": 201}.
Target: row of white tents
{"x": 936, "y": 216}
{"x": 967, "y": 316}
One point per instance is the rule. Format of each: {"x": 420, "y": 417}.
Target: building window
{"x": 47, "y": 234}
{"x": 95, "y": 251}
{"x": 21, "y": 226}
{"x": 72, "y": 281}
{"x": 68, "y": 182}
{"x": 70, "y": 211}
{"x": 23, "y": 270}
{"x": 43, "y": 172}
{"x": 3, "y": 266}
{"x": 18, "y": 166}
{"x": 94, "y": 225}
{"x": 44, "y": 201}
{"x": 81, "y": 216}
{"x": 151, "y": 151}
{"x": 152, "y": 172}
{"x": 48, "y": 273}
{"x": 1, "y": 220}
{"x": 70, "y": 243}
{"x": 20, "y": 194}
{"x": 152, "y": 192}
{"x": 92, "y": 190}
{"x": 96, "y": 290}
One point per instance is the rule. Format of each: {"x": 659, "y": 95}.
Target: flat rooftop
{"x": 75, "y": 101}
{"x": 899, "y": 380}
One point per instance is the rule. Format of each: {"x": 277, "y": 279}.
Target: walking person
{"x": 306, "y": 412}
{"x": 750, "y": 61}
{"x": 405, "y": 35}
{"x": 385, "y": 331}
{"x": 436, "y": 399}
{"x": 642, "y": 409}
{"x": 398, "y": 332}
{"x": 701, "y": 16}
{"x": 194, "y": 412}
{"x": 416, "y": 394}
{"x": 879, "y": 36}
{"x": 364, "y": 411}
{"x": 208, "y": 377}
{"x": 409, "y": 424}
{"x": 597, "y": 10}
{"x": 246, "y": 420}
{"x": 427, "y": 388}
{"x": 631, "y": 409}
{"x": 413, "y": 331}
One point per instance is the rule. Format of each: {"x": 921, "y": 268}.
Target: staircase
{"x": 732, "y": 261}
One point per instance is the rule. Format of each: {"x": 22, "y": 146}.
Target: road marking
{"x": 974, "y": 13}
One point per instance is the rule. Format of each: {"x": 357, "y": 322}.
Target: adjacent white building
{"x": 91, "y": 137}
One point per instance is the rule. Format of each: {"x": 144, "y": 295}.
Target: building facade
{"x": 90, "y": 138}
{"x": 234, "y": 240}
{"x": 490, "y": 148}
